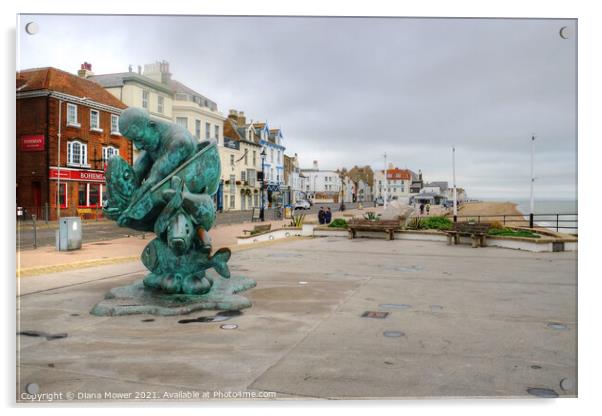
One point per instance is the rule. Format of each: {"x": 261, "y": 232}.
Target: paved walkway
{"x": 461, "y": 322}
{"x": 46, "y": 260}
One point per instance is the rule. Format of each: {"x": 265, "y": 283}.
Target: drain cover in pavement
{"x": 394, "y": 306}
{"x": 148, "y": 320}
{"x": 556, "y": 325}
{"x": 541, "y": 392}
{"x": 393, "y": 334}
{"x": 375, "y": 315}
{"x": 228, "y": 326}
{"x": 408, "y": 269}
{"x": 32, "y": 388}
{"x": 436, "y": 308}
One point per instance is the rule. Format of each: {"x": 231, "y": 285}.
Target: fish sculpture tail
{"x": 219, "y": 261}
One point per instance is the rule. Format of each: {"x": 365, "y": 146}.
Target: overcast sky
{"x": 346, "y": 90}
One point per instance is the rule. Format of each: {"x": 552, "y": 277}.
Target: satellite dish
{"x": 564, "y": 32}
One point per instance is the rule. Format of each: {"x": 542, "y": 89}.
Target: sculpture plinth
{"x": 169, "y": 191}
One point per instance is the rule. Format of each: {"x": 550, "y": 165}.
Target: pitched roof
{"x": 53, "y": 79}
{"x": 178, "y": 87}
{"x": 119, "y": 79}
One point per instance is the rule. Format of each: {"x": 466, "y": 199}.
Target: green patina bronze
{"x": 168, "y": 191}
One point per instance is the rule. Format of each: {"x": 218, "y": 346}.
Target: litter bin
{"x": 69, "y": 234}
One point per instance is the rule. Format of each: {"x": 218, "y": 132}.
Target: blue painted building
{"x": 272, "y": 141}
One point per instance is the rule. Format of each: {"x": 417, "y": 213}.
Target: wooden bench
{"x": 476, "y": 231}
{"x": 388, "y": 226}
{"x": 258, "y": 229}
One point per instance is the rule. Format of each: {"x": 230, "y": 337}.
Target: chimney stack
{"x": 233, "y": 115}
{"x": 316, "y": 165}
{"x": 242, "y": 120}
{"x": 85, "y": 70}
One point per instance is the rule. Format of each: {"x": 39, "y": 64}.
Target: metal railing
{"x": 557, "y": 221}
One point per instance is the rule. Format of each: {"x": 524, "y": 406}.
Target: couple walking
{"x": 324, "y": 215}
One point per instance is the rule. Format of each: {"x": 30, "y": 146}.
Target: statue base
{"x": 139, "y": 299}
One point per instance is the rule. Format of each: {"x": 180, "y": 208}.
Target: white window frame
{"x": 72, "y": 121}
{"x": 83, "y": 154}
{"x": 115, "y": 123}
{"x": 160, "y": 104}
{"x": 109, "y": 151}
{"x": 197, "y": 129}
{"x": 97, "y": 127}
{"x": 145, "y": 98}
{"x": 179, "y": 122}
{"x": 207, "y": 130}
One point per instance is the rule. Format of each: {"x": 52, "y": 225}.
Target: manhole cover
{"x": 556, "y": 325}
{"x": 393, "y": 334}
{"x": 542, "y": 392}
{"x": 375, "y": 315}
{"x": 74, "y": 314}
{"x": 394, "y": 306}
{"x": 536, "y": 367}
{"x": 436, "y": 308}
{"x": 148, "y": 320}
{"x": 228, "y": 326}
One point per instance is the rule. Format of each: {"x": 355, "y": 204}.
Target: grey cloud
{"x": 345, "y": 90}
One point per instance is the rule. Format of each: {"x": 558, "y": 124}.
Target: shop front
{"x": 79, "y": 192}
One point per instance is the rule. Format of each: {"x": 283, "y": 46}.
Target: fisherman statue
{"x": 169, "y": 191}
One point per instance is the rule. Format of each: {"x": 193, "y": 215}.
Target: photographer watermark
{"x": 31, "y": 394}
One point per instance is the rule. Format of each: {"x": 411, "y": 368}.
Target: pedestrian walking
{"x": 321, "y": 215}
{"x": 428, "y": 208}
{"x": 421, "y": 209}
{"x": 327, "y": 216}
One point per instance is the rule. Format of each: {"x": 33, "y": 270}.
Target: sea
{"x": 545, "y": 211}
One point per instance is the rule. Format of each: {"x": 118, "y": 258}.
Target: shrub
{"x": 338, "y": 223}
{"x": 298, "y": 220}
{"x": 496, "y": 225}
{"x": 509, "y": 232}
{"x": 415, "y": 223}
{"x": 371, "y": 216}
{"x": 437, "y": 223}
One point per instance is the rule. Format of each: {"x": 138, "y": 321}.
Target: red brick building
{"x": 88, "y": 133}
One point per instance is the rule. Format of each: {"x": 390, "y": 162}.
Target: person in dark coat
{"x": 421, "y": 209}
{"x": 327, "y": 216}
{"x": 321, "y": 215}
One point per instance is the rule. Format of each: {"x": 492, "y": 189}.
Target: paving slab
{"x": 465, "y": 323}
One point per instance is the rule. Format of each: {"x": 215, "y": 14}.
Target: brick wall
{"x": 32, "y": 167}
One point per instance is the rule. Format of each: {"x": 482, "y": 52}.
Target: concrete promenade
{"x": 462, "y": 322}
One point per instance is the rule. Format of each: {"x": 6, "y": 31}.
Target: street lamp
{"x": 263, "y": 155}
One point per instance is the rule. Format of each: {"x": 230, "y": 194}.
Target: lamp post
{"x": 531, "y": 198}
{"x": 454, "y": 177}
{"x": 263, "y": 154}
{"x": 386, "y": 184}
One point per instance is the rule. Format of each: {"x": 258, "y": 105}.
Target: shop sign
{"x": 77, "y": 175}
{"x": 33, "y": 143}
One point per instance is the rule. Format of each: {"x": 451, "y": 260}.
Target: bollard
{"x": 530, "y": 220}
{"x": 35, "y": 230}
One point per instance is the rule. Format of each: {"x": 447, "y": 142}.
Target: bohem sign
{"x": 33, "y": 143}
{"x": 77, "y": 174}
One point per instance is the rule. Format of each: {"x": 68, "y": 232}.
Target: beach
{"x": 497, "y": 209}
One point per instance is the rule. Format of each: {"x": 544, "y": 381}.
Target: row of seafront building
{"x": 67, "y": 128}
